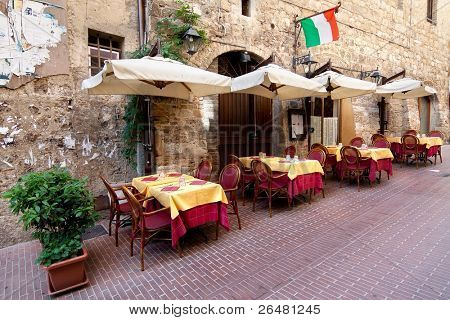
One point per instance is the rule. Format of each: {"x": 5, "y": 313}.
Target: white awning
{"x": 343, "y": 87}
{"x": 405, "y": 89}
{"x": 155, "y": 76}
{"x": 274, "y": 81}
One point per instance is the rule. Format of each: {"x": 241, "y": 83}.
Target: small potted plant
{"x": 58, "y": 209}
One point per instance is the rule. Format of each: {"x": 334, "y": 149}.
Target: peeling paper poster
{"x": 28, "y": 31}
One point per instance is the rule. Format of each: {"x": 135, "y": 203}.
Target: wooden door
{"x": 245, "y": 125}
{"x": 263, "y": 123}
{"x": 245, "y": 120}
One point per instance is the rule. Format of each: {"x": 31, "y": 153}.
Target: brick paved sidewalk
{"x": 391, "y": 241}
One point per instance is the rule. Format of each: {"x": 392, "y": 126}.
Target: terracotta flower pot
{"x": 66, "y": 275}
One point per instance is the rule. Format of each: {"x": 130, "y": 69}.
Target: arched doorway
{"x": 245, "y": 120}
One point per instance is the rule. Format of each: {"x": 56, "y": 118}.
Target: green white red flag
{"x": 321, "y": 28}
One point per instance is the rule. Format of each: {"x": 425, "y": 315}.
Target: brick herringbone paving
{"x": 391, "y": 241}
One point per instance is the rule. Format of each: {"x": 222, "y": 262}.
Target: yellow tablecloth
{"x": 293, "y": 169}
{"x": 429, "y": 141}
{"x": 336, "y": 150}
{"x": 374, "y": 153}
{"x": 143, "y": 186}
{"x": 188, "y": 197}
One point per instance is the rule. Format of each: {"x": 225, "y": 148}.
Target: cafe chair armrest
{"x": 150, "y": 213}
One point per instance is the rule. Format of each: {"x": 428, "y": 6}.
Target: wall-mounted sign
{"x": 297, "y": 124}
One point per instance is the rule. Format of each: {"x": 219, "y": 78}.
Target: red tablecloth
{"x": 396, "y": 149}
{"x": 375, "y": 166}
{"x": 433, "y": 151}
{"x": 302, "y": 183}
{"x": 305, "y": 182}
{"x": 198, "y": 216}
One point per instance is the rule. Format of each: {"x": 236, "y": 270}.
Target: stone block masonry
{"x": 49, "y": 120}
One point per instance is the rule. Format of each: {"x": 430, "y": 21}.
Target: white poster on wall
{"x": 297, "y": 125}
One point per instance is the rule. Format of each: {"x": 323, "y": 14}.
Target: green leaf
{"x": 57, "y": 208}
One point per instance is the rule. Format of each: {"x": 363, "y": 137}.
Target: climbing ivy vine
{"x": 170, "y": 31}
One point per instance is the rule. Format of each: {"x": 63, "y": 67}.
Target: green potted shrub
{"x": 58, "y": 209}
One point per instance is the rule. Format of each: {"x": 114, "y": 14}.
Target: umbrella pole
{"x": 150, "y": 136}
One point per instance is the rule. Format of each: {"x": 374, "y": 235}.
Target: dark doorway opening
{"x": 245, "y": 120}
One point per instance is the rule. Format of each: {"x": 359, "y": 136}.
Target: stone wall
{"x": 390, "y": 35}
{"x": 54, "y": 122}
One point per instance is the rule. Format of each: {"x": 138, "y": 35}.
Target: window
{"x": 432, "y": 11}
{"x": 245, "y": 7}
{"x": 102, "y": 47}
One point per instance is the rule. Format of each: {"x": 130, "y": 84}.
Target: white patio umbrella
{"x": 155, "y": 76}
{"x": 274, "y": 81}
{"x": 405, "y": 89}
{"x": 340, "y": 86}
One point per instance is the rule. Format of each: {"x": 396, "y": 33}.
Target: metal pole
{"x": 382, "y": 115}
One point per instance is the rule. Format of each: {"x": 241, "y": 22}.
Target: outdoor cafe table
{"x": 380, "y": 159}
{"x": 431, "y": 144}
{"x": 192, "y": 205}
{"x": 302, "y": 174}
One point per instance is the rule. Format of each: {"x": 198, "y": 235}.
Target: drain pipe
{"x": 140, "y": 5}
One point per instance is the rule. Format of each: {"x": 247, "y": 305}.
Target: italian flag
{"x": 320, "y": 29}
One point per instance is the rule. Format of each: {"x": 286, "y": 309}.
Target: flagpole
{"x": 336, "y": 9}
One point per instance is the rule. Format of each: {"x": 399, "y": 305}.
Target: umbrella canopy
{"x": 405, "y": 89}
{"x": 271, "y": 81}
{"x": 342, "y": 87}
{"x": 156, "y": 76}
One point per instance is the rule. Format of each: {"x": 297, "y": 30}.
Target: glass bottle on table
{"x": 182, "y": 181}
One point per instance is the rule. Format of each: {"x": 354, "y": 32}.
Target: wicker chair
{"x": 229, "y": 180}
{"x": 204, "y": 170}
{"x": 291, "y": 151}
{"x": 411, "y": 132}
{"x": 147, "y": 225}
{"x": 119, "y": 208}
{"x": 331, "y": 159}
{"x": 269, "y": 183}
{"x": 319, "y": 155}
{"x": 354, "y": 165}
{"x": 437, "y": 134}
{"x": 375, "y": 137}
{"x": 357, "y": 142}
{"x": 247, "y": 176}
{"x": 382, "y": 143}
{"x": 411, "y": 146}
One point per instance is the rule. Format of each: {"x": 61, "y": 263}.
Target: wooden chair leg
{"x": 179, "y": 250}
{"x": 435, "y": 158}
{"x": 310, "y": 195}
{"x": 131, "y": 242}
{"x": 323, "y": 192}
{"x": 440, "y": 154}
{"x": 111, "y": 218}
{"x": 379, "y": 177}
{"x": 117, "y": 228}
{"x": 142, "y": 248}
{"x": 235, "y": 207}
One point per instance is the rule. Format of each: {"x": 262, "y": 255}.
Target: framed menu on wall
{"x": 297, "y": 122}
